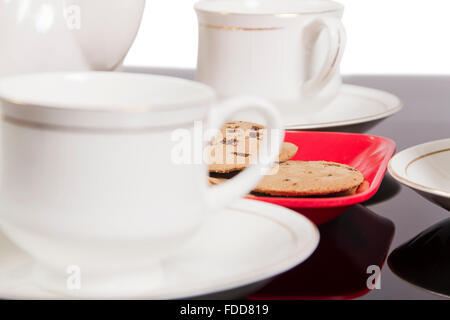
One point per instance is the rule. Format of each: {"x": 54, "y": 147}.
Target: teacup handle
{"x": 337, "y": 42}
{"x": 219, "y": 196}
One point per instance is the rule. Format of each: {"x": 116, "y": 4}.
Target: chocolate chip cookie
{"x": 238, "y": 145}
{"x": 311, "y": 178}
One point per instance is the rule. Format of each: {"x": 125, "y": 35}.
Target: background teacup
{"x": 89, "y": 179}
{"x": 66, "y": 35}
{"x": 288, "y": 51}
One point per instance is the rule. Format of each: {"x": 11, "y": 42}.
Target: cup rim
{"x": 200, "y": 8}
{"x": 207, "y": 97}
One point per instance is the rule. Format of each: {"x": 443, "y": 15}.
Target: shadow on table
{"x": 172, "y": 72}
{"x": 389, "y": 188}
{"x": 338, "y": 269}
{"x": 424, "y": 261}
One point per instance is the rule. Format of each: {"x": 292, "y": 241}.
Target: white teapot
{"x": 66, "y": 35}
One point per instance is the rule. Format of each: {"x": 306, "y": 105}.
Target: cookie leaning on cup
{"x": 238, "y": 144}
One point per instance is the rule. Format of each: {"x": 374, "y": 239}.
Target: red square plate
{"x": 369, "y": 154}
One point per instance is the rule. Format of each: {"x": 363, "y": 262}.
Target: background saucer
{"x": 354, "y": 105}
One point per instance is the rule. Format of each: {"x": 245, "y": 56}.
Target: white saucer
{"x": 354, "y": 105}
{"x": 426, "y": 169}
{"x": 250, "y": 242}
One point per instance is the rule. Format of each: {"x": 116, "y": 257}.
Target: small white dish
{"x": 249, "y": 242}
{"x": 426, "y": 169}
{"x": 354, "y": 105}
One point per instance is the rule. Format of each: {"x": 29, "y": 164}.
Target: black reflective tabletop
{"x": 425, "y": 117}
{"x": 424, "y": 261}
{"x": 350, "y": 247}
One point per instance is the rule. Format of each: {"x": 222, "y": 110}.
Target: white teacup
{"x": 66, "y": 35}
{"x": 89, "y": 179}
{"x": 288, "y": 51}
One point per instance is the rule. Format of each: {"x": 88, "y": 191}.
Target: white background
{"x": 384, "y": 36}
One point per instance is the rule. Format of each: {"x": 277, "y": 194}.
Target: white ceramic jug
{"x": 66, "y": 35}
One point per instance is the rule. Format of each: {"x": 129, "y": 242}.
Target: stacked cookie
{"x": 239, "y": 144}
